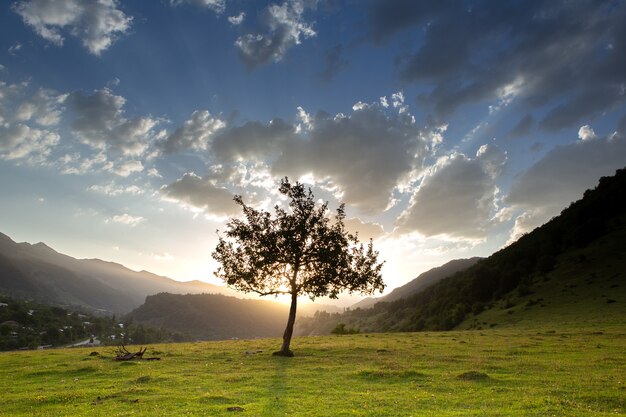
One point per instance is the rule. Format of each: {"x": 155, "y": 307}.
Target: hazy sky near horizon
{"x": 448, "y": 128}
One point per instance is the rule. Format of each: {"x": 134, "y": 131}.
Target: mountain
{"x": 424, "y": 280}
{"x": 39, "y": 272}
{"x": 212, "y": 316}
{"x": 569, "y": 271}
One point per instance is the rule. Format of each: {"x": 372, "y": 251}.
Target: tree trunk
{"x": 284, "y": 350}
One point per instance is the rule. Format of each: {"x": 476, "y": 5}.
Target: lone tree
{"x": 300, "y": 251}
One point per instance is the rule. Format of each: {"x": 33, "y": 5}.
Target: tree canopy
{"x": 298, "y": 251}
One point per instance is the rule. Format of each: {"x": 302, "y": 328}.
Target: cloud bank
{"x": 567, "y": 56}
{"x": 362, "y": 156}
{"x": 456, "y": 197}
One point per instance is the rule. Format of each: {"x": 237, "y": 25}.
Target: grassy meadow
{"x": 495, "y": 372}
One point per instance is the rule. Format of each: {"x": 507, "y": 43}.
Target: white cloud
{"x": 96, "y": 23}
{"x": 586, "y": 133}
{"x": 305, "y": 119}
{"x": 114, "y": 82}
{"x": 397, "y": 99}
{"x": 45, "y": 108}
{"x": 7, "y": 93}
{"x": 476, "y": 130}
{"x": 163, "y": 256}
{"x": 237, "y": 20}
{"x": 75, "y": 164}
{"x": 285, "y": 28}
{"x": 100, "y": 123}
{"x": 154, "y": 173}
{"x": 21, "y": 141}
{"x": 359, "y": 105}
{"x": 112, "y": 189}
{"x": 126, "y": 168}
{"x": 195, "y": 133}
{"x": 202, "y": 194}
{"x": 126, "y": 219}
{"x": 457, "y": 197}
{"x": 18, "y": 138}
{"x": 506, "y": 94}
{"x": 218, "y": 6}
{"x": 14, "y": 48}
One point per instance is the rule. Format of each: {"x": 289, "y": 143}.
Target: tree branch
{"x": 263, "y": 293}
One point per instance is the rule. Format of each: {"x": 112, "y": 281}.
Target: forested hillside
{"x": 584, "y": 245}
{"x": 212, "y": 316}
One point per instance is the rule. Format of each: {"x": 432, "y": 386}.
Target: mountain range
{"x": 38, "y": 272}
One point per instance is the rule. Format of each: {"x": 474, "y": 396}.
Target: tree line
{"x": 32, "y": 325}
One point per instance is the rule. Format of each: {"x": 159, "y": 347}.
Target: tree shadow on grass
{"x": 278, "y": 387}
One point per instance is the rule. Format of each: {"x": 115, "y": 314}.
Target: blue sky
{"x": 449, "y": 128}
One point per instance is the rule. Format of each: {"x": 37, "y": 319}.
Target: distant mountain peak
{"x": 5, "y": 237}
{"x": 43, "y": 246}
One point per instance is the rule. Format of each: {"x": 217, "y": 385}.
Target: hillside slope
{"x": 218, "y": 317}
{"x": 424, "y": 280}
{"x": 571, "y": 269}
{"x": 39, "y": 272}
{"x": 212, "y": 316}
{"x": 586, "y": 287}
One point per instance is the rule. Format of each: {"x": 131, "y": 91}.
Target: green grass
{"x": 498, "y": 372}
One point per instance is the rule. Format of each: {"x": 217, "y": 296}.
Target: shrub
{"x": 340, "y": 328}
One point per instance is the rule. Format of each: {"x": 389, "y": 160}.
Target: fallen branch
{"x": 124, "y": 354}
